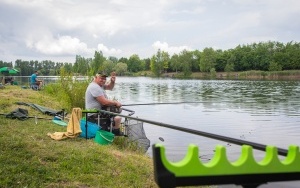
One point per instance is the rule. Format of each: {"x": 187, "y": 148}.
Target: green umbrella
{"x": 8, "y": 70}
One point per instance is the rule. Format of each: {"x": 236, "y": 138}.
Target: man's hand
{"x": 113, "y": 77}
{"x": 118, "y": 104}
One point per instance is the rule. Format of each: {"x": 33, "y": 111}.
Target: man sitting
{"x": 96, "y": 98}
{"x": 35, "y": 83}
{"x": 9, "y": 80}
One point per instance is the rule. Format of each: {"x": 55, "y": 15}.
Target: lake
{"x": 264, "y": 112}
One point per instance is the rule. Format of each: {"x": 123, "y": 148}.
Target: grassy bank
{"x": 29, "y": 158}
{"x": 249, "y": 75}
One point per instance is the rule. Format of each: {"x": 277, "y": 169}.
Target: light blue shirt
{"x": 33, "y": 79}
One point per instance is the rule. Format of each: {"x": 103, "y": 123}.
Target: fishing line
{"x": 257, "y": 146}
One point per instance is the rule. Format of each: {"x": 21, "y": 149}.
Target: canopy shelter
{"x": 8, "y": 70}
{"x": 5, "y": 71}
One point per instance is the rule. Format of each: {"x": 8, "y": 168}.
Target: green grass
{"x": 30, "y": 158}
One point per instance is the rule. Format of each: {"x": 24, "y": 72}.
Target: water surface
{"x": 265, "y": 112}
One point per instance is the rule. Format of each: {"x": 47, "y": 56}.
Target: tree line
{"x": 264, "y": 56}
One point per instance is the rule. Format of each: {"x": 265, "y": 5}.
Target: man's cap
{"x": 101, "y": 74}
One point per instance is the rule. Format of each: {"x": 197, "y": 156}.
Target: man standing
{"x": 96, "y": 98}
{"x": 35, "y": 83}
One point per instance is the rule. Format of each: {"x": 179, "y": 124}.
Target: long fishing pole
{"x": 257, "y": 146}
{"x": 27, "y": 117}
{"x": 139, "y": 104}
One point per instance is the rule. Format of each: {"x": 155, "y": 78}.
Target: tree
{"x": 135, "y": 64}
{"x": 229, "y": 67}
{"x": 230, "y": 64}
{"x": 186, "y": 59}
{"x": 147, "y": 64}
{"x": 25, "y": 67}
{"x": 113, "y": 59}
{"x": 175, "y": 64}
{"x": 97, "y": 62}
{"x": 195, "y": 60}
{"x": 157, "y": 63}
{"x": 108, "y": 67}
{"x": 5, "y": 64}
{"x": 292, "y": 50}
{"x": 46, "y": 67}
{"x": 165, "y": 59}
{"x": 123, "y": 60}
{"x": 221, "y": 60}
{"x": 274, "y": 66}
{"x": 81, "y": 65}
{"x": 67, "y": 68}
{"x": 207, "y": 60}
{"x": 121, "y": 68}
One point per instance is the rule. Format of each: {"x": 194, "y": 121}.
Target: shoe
{"x": 117, "y": 132}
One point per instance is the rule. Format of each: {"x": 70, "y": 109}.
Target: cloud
{"x": 60, "y": 29}
{"x": 106, "y": 50}
{"x": 163, "y": 46}
{"x": 59, "y": 46}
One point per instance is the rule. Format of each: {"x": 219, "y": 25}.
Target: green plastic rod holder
{"x": 245, "y": 171}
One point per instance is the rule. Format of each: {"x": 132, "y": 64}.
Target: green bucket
{"x": 104, "y": 137}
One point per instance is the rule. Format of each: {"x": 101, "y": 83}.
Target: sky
{"x": 58, "y": 30}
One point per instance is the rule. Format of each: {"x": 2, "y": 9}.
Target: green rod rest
{"x": 245, "y": 171}
{"x": 90, "y": 111}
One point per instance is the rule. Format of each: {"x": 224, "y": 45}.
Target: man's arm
{"x": 111, "y": 84}
{"x": 106, "y": 102}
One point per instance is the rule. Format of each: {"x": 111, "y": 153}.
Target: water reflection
{"x": 265, "y": 112}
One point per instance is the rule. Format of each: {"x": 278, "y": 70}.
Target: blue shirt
{"x": 33, "y": 79}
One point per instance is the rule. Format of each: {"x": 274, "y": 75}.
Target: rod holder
{"x": 245, "y": 171}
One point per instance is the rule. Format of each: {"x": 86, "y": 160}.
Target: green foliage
{"x": 108, "y": 66}
{"x": 121, "y": 69}
{"x": 213, "y": 73}
{"x": 156, "y": 63}
{"x": 159, "y": 63}
{"x": 135, "y": 64}
{"x": 262, "y": 56}
{"x": 185, "y": 58}
{"x": 97, "y": 63}
{"x": 229, "y": 67}
{"x": 207, "y": 60}
{"x": 175, "y": 64}
{"x": 70, "y": 89}
{"x": 81, "y": 65}
{"x": 30, "y": 158}
{"x": 274, "y": 66}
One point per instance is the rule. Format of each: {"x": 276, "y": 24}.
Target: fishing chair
{"x": 104, "y": 120}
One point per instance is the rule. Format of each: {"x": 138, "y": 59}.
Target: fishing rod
{"x": 139, "y": 104}
{"x": 257, "y": 146}
{"x": 27, "y": 117}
